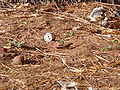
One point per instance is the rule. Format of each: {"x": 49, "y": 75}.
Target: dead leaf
{"x": 6, "y": 48}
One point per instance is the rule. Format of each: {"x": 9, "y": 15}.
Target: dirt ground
{"x": 90, "y": 59}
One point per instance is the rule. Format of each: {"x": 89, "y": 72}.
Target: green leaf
{"x": 114, "y": 41}
{"x": 61, "y": 40}
{"x": 11, "y": 43}
{"x": 20, "y": 43}
{"x": 109, "y": 47}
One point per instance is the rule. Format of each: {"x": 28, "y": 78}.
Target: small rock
{"x": 107, "y": 36}
{"x": 18, "y": 60}
{"x": 65, "y": 85}
{"x": 97, "y": 14}
{"x": 48, "y": 37}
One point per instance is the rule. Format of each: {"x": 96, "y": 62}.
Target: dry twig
{"x": 9, "y": 68}
{"x": 102, "y": 58}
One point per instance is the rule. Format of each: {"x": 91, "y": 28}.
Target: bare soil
{"x": 96, "y": 56}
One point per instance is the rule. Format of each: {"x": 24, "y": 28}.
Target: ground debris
{"x": 65, "y": 85}
{"x": 82, "y": 55}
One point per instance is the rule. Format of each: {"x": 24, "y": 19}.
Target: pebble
{"x": 17, "y": 60}
{"x": 48, "y": 37}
